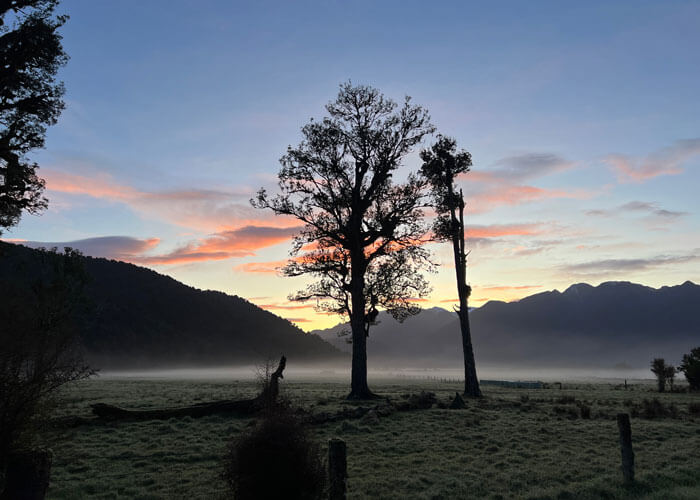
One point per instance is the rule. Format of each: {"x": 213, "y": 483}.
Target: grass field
{"x": 513, "y": 443}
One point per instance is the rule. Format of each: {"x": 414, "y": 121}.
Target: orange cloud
{"x": 260, "y": 267}
{"x": 285, "y": 307}
{"x": 240, "y": 242}
{"x": 499, "y": 230}
{"x": 503, "y": 195}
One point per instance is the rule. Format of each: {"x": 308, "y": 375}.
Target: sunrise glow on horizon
{"x": 583, "y": 126}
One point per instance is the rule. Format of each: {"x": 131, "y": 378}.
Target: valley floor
{"x": 514, "y": 443}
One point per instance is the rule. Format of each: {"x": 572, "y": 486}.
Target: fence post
{"x": 623, "y": 424}
{"x": 337, "y": 469}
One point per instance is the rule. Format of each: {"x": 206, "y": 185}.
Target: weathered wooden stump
{"x": 27, "y": 475}
{"x": 337, "y": 469}
{"x": 457, "y": 403}
{"x": 623, "y": 424}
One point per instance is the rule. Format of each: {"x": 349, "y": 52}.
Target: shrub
{"x": 653, "y": 408}
{"x": 690, "y": 366}
{"x": 659, "y": 368}
{"x": 694, "y": 408}
{"x": 275, "y": 459}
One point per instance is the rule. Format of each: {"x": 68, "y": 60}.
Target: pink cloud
{"x": 667, "y": 161}
{"x": 199, "y": 209}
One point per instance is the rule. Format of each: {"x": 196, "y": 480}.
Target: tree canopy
{"x": 30, "y": 99}
{"x": 363, "y": 232}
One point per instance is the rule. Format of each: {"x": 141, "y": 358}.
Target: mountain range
{"x": 140, "y": 318}
{"x": 613, "y": 324}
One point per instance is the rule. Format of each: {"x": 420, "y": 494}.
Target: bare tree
{"x": 442, "y": 163}
{"x": 363, "y": 233}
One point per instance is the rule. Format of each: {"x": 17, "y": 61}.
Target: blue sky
{"x": 582, "y": 118}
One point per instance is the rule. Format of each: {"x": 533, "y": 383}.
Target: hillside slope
{"x": 139, "y": 318}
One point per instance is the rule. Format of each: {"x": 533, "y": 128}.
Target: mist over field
{"x": 328, "y": 371}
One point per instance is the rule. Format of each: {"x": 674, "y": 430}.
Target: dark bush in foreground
{"x": 276, "y": 459}
{"x": 653, "y": 408}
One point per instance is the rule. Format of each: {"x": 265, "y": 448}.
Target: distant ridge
{"x": 143, "y": 319}
{"x": 614, "y": 323}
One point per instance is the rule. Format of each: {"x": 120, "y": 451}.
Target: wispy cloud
{"x": 199, "y": 209}
{"x": 123, "y": 248}
{"x": 651, "y": 210}
{"x": 604, "y": 266}
{"x": 503, "y": 184}
{"x": 667, "y": 161}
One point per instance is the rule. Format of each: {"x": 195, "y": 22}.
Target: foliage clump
{"x": 654, "y": 408}
{"x": 690, "y": 367}
{"x": 276, "y": 459}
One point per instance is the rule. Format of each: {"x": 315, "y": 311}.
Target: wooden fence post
{"x": 337, "y": 469}
{"x": 623, "y": 424}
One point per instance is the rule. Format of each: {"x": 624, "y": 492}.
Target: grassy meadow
{"x": 514, "y": 443}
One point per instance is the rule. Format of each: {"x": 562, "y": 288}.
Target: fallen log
{"x": 266, "y": 399}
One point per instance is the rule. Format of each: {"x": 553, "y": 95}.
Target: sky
{"x": 583, "y": 120}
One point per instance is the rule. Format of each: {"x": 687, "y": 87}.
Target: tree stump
{"x": 457, "y": 403}
{"x": 623, "y": 424}
{"x": 337, "y": 469}
{"x": 27, "y": 475}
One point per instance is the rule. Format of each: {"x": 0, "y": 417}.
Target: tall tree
{"x": 441, "y": 164}
{"x": 30, "y": 99}
{"x": 362, "y": 235}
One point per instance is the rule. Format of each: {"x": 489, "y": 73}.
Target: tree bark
{"x": 471, "y": 381}
{"x": 358, "y": 383}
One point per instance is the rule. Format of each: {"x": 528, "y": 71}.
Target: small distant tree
{"x": 40, "y": 342}
{"x": 659, "y": 368}
{"x": 670, "y": 376}
{"x": 30, "y": 99}
{"x": 690, "y": 366}
{"x": 363, "y": 232}
{"x": 442, "y": 163}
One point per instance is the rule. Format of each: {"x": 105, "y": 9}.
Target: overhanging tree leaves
{"x": 30, "y": 99}
{"x": 363, "y": 233}
{"x": 441, "y": 165}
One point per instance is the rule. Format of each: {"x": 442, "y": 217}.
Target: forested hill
{"x": 614, "y": 323}
{"x": 139, "y": 318}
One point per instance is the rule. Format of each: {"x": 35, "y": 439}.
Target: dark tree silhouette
{"x": 670, "y": 376}
{"x": 40, "y": 342}
{"x": 362, "y": 232}
{"x": 690, "y": 366}
{"x": 658, "y": 368}
{"x": 441, "y": 164}
{"x": 30, "y": 99}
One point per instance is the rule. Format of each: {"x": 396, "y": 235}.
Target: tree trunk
{"x": 471, "y": 381}
{"x": 358, "y": 385}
